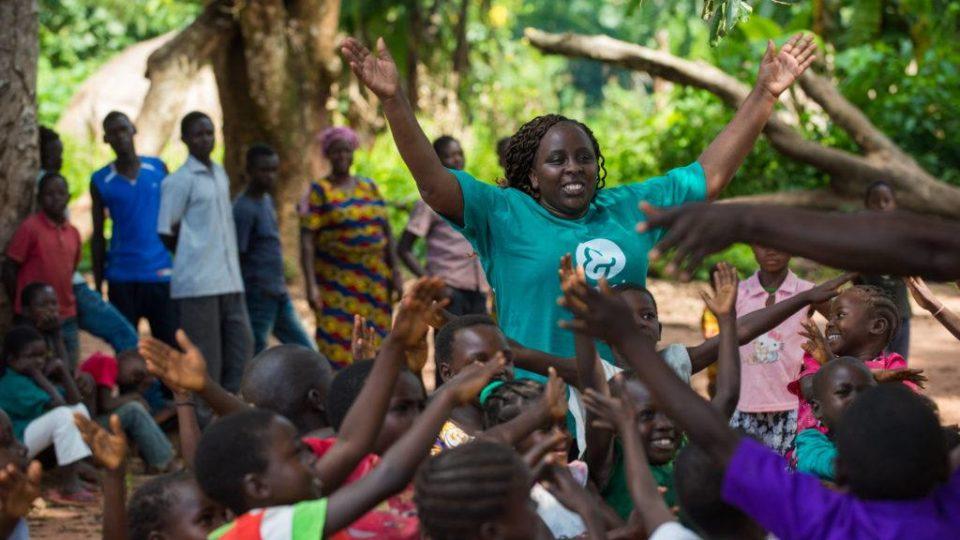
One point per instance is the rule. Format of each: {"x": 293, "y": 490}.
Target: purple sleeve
{"x": 789, "y": 505}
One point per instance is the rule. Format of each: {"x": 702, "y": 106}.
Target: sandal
{"x": 81, "y": 497}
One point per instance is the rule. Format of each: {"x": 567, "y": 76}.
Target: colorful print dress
{"x": 350, "y": 233}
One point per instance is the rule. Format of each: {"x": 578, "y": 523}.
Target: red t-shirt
{"x": 49, "y": 253}
{"x": 103, "y": 368}
{"x": 393, "y": 519}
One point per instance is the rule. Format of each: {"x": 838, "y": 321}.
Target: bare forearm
{"x": 56, "y": 400}
{"x": 950, "y": 321}
{"x": 221, "y": 401}
{"x": 728, "y": 367}
{"x": 726, "y": 153}
{"x": 405, "y": 252}
{"x": 514, "y": 431}
{"x": 189, "y": 428}
{"x": 306, "y": 261}
{"x": 10, "y": 271}
{"x": 541, "y": 362}
{"x": 114, "y": 504}
{"x": 643, "y": 488}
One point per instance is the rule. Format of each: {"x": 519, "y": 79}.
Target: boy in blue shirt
{"x": 137, "y": 265}
{"x": 261, "y": 258}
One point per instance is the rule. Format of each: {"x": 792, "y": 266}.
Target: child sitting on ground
{"x": 119, "y": 385}
{"x": 890, "y": 451}
{"x": 41, "y": 310}
{"x": 19, "y": 483}
{"x": 268, "y": 482}
{"x": 833, "y": 389}
{"x": 40, "y": 396}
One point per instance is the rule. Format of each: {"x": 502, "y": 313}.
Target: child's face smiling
{"x": 849, "y": 331}
{"x": 843, "y": 383}
{"x": 659, "y": 434}
{"x": 289, "y": 477}
{"x": 193, "y": 516}
{"x": 406, "y": 404}
{"x": 644, "y": 313}
{"x": 32, "y": 357}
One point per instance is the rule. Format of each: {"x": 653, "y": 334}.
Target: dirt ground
{"x": 933, "y": 349}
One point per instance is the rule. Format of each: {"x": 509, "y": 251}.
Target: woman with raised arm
{"x": 553, "y": 202}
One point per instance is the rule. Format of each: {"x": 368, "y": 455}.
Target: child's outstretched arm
{"x": 551, "y": 406}
{"x": 601, "y": 314}
{"x": 925, "y": 298}
{"x": 723, "y": 304}
{"x": 621, "y": 415}
{"x": 359, "y": 428}
{"x": 110, "y": 451}
{"x": 187, "y": 371}
{"x": 754, "y": 324}
{"x": 187, "y": 425}
{"x": 18, "y": 490}
{"x": 399, "y": 464}
{"x": 378, "y": 72}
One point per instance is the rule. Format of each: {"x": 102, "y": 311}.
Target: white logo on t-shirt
{"x": 600, "y": 258}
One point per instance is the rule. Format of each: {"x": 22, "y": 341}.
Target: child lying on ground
{"x": 40, "y": 396}
{"x": 19, "y": 483}
{"x": 890, "y": 451}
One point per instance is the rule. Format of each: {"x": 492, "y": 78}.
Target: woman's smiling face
{"x": 565, "y": 170}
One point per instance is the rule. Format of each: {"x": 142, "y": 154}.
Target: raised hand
{"x": 610, "y": 412}
{"x": 597, "y": 312}
{"x": 923, "y": 295}
{"x": 109, "y": 448}
{"x": 816, "y": 345}
{"x": 914, "y": 376}
{"x": 724, "y": 298}
{"x": 378, "y": 72}
{"x": 362, "y": 342}
{"x": 466, "y": 385}
{"x": 185, "y": 370}
{"x": 18, "y": 489}
{"x": 828, "y": 289}
{"x": 779, "y": 69}
{"x": 540, "y": 454}
{"x": 417, "y": 308}
{"x": 566, "y": 271}
{"x": 555, "y": 396}
{"x": 695, "y": 231}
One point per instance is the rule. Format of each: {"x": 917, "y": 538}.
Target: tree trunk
{"x": 19, "y": 152}
{"x": 850, "y": 173}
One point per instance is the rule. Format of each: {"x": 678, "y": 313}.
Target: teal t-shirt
{"x": 22, "y": 400}
{"x": 816, "y": 454}
{"x": 520, "y": 244}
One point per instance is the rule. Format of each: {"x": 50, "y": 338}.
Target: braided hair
{"x": 463, "y": 488}
{"x": 523, "y": 146}
{"x": 508, "y": 400}
{"x": 881, "y": 305}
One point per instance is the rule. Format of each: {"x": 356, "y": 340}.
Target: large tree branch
{"x": 850, "y": 173}
{"x": 171, "y": 69}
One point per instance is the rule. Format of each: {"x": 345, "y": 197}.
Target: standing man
{"x": 137, "y": 266}
{"x": 449, "y": 255}
{"x": 261, "y": 258}
{"x": 196, "y": 223}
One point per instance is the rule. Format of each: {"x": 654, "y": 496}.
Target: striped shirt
{"x": 301, "y": 521}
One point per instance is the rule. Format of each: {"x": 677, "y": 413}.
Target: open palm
{"x": 108, "y": 447}
{"x": 378, "y": 72}
{"x": 184, "y": 371}
{"x": 779, "y": 69}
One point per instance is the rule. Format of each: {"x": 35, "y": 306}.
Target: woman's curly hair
{"x": 523, "y": 149}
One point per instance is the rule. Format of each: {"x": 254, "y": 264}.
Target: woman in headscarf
{"x": 346, "y": 250}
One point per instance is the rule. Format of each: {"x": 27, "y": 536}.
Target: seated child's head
{"x": 255, "y": 459}
{"x": 880, "y": 196}
{"x": 478, "y": 490}
{"x": 698, "y": 480}
{"x": 660, "y": 436}
{"x": 890, "y": 445}
{"x": 172, "y": 507}
{"x": 40, "y": 306}
{"x": 291, "y": 381}
{"x": 24, "y": 350}
{"x": 863, "y": 320}
{"x": 132, "y": 374}
{"x": 11, "y": 449}
{"x": 408, "y": 400}
{"x": 510, "y": 398}
{"x": 644, "y": 307}
{"x": 771, "y": 261}
{"x": 835, "y": 387}
{"x": 468, "y": 339}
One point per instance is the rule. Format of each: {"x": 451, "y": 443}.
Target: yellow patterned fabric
{"x": 450, "y": 436}
{"x": 350, "y": 233}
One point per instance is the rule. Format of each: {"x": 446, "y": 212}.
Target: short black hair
{"x": 114, "y": 115}
{"x": 47, "y": 178}
{"x": 280, "y": 378}
{"x": 443, "y": 351}
{"x": 877, "y": 184}
{"x": 464, "y": 487}
{"x": 508, "y": 400}
{"x": 31, "y": 290}
{"x": 150, "y": 506}
{"x": 190, "y": 118}
{"x": 346, "y": 386}
{"x": 46, "y": 136}
{"x": 625, "y": 287}
{"x": 15, "y": 341}
{"x": 441, "y": 142}
{"x": 256, "y": 151}
{"x": 890, "y": 445}
{"x": 822, "y": 376}
{"x": 698, "y": 479}
{"x": 231, "y": 448}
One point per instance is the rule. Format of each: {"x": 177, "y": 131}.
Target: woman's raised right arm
{"x": 378, "y": 72}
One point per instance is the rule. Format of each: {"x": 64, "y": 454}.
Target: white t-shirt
{"x": 672, "y": 530}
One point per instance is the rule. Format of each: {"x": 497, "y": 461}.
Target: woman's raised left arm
{"x": 778, "y": 70}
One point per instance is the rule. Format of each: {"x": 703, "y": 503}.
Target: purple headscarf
{"x": 340, "y": 133}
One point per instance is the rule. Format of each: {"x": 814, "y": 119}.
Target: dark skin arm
{"x": 98, "y": 243}
{"x": 56, "y": 400}
{"x": 405, "y": 252}
{"x": 399, "y": 464}
{"x": 899, "y": 243}
{"x": 925, "y": 298}
{"x": 552, "y": 407}
{"x": 110, "y": 451}
{"x": 307, "y": 243}
{"x": 601, "y": 314}
{"x": 170, "y": 240}
{"x": 107, "y": 402}
{"x": 18, "y": 490}
{"x": 188, "y": 427}
{"x": 723, "y": 305}
{"x": 9, "y": 274}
